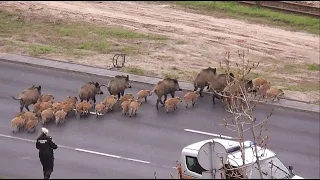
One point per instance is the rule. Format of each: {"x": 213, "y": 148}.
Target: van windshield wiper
{"x": 287, "y": 174}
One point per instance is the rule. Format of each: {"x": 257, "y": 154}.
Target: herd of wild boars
{"x": 47, "y": 109}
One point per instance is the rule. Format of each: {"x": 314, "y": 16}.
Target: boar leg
{"x": 145, "y": 99}
{"x": 94, "y": 100}
{"x": 193, "y": 102}
{"x": 119, "y": 95}
{"x": 27, "y": 107}
{"x": 158, "y": 101}
{"x": 208, "y": 87}
{"x": 213, "y": 98}
{"x": 201, "y": 90}
{"x": 165, "y": 98}
{"x": 195, "y": 88}
{"x": 172, "y": 94}
{"x": 21, "y": 108}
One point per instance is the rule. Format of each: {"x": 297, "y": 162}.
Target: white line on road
{"x": 206, "y": 133}
{"x": 110, "y": 155}
{"x": 80, "y": 150}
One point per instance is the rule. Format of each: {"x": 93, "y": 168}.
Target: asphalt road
{"x": 115, "y": 146}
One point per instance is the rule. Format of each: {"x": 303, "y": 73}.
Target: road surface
{"x": 121, "y": 147}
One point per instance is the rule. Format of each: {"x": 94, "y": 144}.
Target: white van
{"x": 191, "y": 169}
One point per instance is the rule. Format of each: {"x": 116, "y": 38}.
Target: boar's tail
{"x": 16, "y": 98}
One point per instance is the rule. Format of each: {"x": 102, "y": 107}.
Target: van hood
{"x": 297, "y": 177}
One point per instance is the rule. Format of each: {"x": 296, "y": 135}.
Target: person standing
{"x": 45, "y": 145}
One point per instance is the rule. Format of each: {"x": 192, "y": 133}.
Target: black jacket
{"x": 45, "y": 145}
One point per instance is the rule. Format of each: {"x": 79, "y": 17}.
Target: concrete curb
{"x": 89, "y": 70}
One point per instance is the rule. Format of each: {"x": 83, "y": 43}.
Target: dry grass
{"x": 38, "y": 36}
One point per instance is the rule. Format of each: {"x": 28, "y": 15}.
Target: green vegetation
{"x": 314, "y": 67}
{"x": 36, "y": 50}
{"x": 133, "y": 70}
{"x": 170, "y": 75}
{"x": 255, "y": 14}
{"x": 39, "y": 36}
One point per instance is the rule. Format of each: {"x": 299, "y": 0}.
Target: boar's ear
{"x": 97, "y": 85}
{"x": 39, "y": 88}
{"x": 127, "y": 78}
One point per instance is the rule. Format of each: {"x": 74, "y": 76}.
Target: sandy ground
{"x": 202, "y": 40}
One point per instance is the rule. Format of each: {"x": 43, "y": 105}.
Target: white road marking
{"x": 206, "y": 133}
{"x": 110, "y": 155}
{"x": 93, "y": 113}
{"x": 81, "y": 150}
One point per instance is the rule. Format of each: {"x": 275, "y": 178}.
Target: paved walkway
{"x": 136, "y": 78}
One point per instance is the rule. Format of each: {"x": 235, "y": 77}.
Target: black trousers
{"x": 47, "y": 163}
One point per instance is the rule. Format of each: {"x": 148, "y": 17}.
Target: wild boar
{"x": 134, "y": 107}
{"x": 191, "y": 97}
{"x": 257, "y": 83}
{"x": 89, "y": 90}
{"x": 60, "y": 116}
{"x": 110, "y": 101}
{"x": 143, "y": 94}
{"x": 45, "y": 98}
{"x": 86, "y": 108}
{"x": 165, "y": 87}
{"x": 79, "y": 109}
{"x": 57, "y": 106}
{"x": 72, "y": 100}
{"x": 29, "y": 116}
{"x": 28, "y": 96}
{"x": 41, "y": 106}
{"x": 68, "y": 107}
{"x": 125, "y": 105}
{"x": 17, "y": 123}
{"x": 236, "y": 88}
{"x": 99, "y": 109}
{"x": 203, "y": 78}
{"x": 31, "y": 125}
{"x": 126, "y": 97}
{"x": 172, "y": 104}
{"x": 274, "y": 93}
{"x": 118, "y": 84}
{"x": 218, "y": 83}
{"x": 263, "y": 89}
{"x": 47, "y": 115}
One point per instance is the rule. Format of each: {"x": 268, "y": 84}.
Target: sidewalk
{"x": 53, "y": 64}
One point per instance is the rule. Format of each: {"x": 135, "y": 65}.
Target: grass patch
{"x": 290, "y": 69}
{"x": 302, "y": 88}
{"x": 36, "y": 50}
{"x": 255, "y": 14}
{"x": 314, "y": 67}
{"x": 133, "y": 70}
{"x": 181, "y": 42}
{"x": 76, "y": 39}
{"x": 170, "y": 75}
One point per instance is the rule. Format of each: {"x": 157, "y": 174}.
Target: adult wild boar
{"x": 29, "y": 96}
{"x": 218, "y": 83}
{"x": 89, "y": 91}
{"x": 236, "y": 88}
{"x": 165, "y": 87}
{"x": 203, "y": 78}
{"x": 118, "y": 84}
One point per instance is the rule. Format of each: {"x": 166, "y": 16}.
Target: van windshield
{"x": 272, "y": 168}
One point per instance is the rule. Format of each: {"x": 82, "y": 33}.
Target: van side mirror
{"x": 291, "y": 170}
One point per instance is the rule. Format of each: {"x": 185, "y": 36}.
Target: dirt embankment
{"x": 196, "y": 41}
